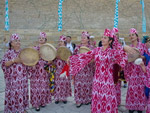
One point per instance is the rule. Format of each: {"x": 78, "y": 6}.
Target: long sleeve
{"x": 116, "y": 45}
{"x": 79, "y": 61}
{"x": 120, "y": 57}
{"x": 5, "y": 58}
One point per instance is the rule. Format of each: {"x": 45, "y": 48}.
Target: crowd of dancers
{"x": 95, "y": 74}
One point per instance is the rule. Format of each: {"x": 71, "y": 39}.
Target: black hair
{"x": 10, "y": 46}
{"x": 110, "y": 38}
{"x": 69, "y": 36}
{"x": 89, "y": 40}
{"x": 136, "y": 35}
{"x": 100, "y": 44}
{"x": 65, "y": 43}
{"x": 45, "y": 39}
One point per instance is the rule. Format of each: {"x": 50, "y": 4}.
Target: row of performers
{"x": 92, "y": 73}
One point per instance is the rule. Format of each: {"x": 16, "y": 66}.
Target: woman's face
{"x": 15, "y": 43}
{"x": 133, "y": 37}
{"x": 105, "y": 41}
{"x": 42, "y": 40}
{"x": 92, "y": 42}
{"x": 84, "y": 40}
{"x": 61, "y": 43}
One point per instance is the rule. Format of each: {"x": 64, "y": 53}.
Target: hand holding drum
{"x": 133, "y": 53}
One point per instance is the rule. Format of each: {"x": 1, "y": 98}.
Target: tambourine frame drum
{"x": 48, "y": 52}
{"x": 29, "y": 56}
{"x": 134, "y": 56}
{"x": 63, "y": 52}
{"x": 84, "y": 49}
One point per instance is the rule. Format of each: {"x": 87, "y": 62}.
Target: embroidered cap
{"x": 14, "y": 37}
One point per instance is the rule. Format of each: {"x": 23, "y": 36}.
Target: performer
{"x": 16, "y": 79}
{"x": 103, "y": 90}
{"x": 146, "y": 40}
{"x": 62, "y": 84}
{"x": 146, "y": 69}
{"x": 117, "y": 68}
{"x": 92, "y": 41}
{"x": 135, "y": 99}
{"x": 83, "y": 80}
{"x": 147, "y": 72}
{"x": 70, "y": 45}
{"x": 39, "y": 80}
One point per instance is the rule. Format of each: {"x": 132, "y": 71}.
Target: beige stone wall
{"x": 29, "y": 17}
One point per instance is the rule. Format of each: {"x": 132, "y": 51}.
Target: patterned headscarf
{"x": 14, "y": 37}
{"x": 85, "y": 34}
{"x": 133, "y": 31}
{"x": 43, "y": 35}
{"x": 62, "y": 38}
{"x": 107, "y": 32}
{"x": 115, "y": 30}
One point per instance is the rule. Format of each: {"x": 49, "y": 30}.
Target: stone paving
{"x": 60, "y": 108}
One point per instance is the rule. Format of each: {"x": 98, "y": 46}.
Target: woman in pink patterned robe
{"x": 146, "y": 69}
{"x": 116, "y": 67}
{"x": 135, "y": 99}
{"x": 16, "y": 79}
{"x": 83, "y": 80}
{"x": 39, "y": 80}
{"x": 103, "y": 90}
{"x": 62, "y": 84}
{"x": 148, "y": 85}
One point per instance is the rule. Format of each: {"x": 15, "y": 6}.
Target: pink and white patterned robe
{"x": 16, "y": 79}
{"x": 116, "y": 67}
{"x": 62, "y": 84}
{"x": 103, "y": 89}
{"x": 83, "y": 81}
{"x": 148, "y": 85}
{"x": 39, "y": 84}
{"x": 135, "y": 99}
